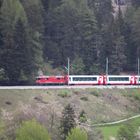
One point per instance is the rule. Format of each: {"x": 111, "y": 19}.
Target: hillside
{"x": 46, "y": 106}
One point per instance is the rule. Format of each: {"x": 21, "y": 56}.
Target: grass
{"x": 112, "y": 130}
{"x": 16, "y": 96}
{"x": 134, "y": 93}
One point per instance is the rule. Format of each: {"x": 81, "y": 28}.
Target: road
{"x": 70, "y": 87}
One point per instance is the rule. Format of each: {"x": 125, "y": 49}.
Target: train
{"x": 88, "y": 80}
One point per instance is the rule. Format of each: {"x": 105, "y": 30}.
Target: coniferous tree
{"x": 118, "y": 56}
{"x": 135, "y": 3}
{"x": 11, "y": 12}
{"x": 67, "y": 121}
{"x": 71, "y": 27}
{"x": 22, "y": 52}
{"x": 35, "y": 12}
{"x": 77, "y": 66}
{"x": 105, "y": 20}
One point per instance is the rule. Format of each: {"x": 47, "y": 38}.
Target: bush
{"x": 82, "y": 117}
{"x": 77, "y": 134}
{"x": 64, "y": 94}
{"x": 95, "y": 93}
{"x": 127, "y": 132}
{"x": 84, "y": 98}
{"x": 32, "y": 130}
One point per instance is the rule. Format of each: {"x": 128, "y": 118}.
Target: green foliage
{"x": 127, "y": 132}
{"x": 135, "y": 94}
{"x": 77, "y": 66}
{"x": 2, "y": 129}
{"x": 34, "y": 11}
{"x": 73, "y": 26}
{"x": 67, "y": 121}
{"x": 64, "y": 94}
{"x": 11, "y": 13}
{"x": 32, "y": 130}
{"x": 82, "y": 117}
{"x": 83, "y": 30}
{"x": 84, "y": 98}
{"x": 95, "y": 93}
{"x": 77, "y": 134}
{"x": 3, "y": 76}
{"x": 21, "y": 48}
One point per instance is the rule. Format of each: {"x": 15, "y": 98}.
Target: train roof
{"x": 47, "y": 76}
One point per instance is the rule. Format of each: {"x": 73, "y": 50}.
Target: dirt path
{"x": 111, "y": 123}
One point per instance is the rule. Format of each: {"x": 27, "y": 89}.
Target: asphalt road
{"x": 70, "y": 87}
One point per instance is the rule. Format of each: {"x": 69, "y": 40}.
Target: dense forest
{"x": 39, "y": 35}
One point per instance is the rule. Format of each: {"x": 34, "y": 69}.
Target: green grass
{"x": 134, "y": 93}
{"x": 112, "y": 130}
{"x": 109, "y": 131}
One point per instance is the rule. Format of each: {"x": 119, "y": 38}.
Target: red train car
{"x": 51, "y": 80}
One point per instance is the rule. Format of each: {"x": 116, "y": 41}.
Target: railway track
{"x": 71, "y": 87}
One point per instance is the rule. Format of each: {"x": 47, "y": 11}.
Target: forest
{"x": 37, "y": 36}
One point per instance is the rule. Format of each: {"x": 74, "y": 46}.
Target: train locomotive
{"x": 88, "y": 80}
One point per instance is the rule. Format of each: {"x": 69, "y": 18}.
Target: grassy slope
{"x": 100, "y": 105}
{"x": 111, "y": 131}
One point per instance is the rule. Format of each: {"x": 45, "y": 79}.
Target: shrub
{"x": 82, "y": 117}
{"x": 32, "y": 130}
{"x": 95, "y": 93}
{"x": 64, "y": 94}
{"x": 127, "y": 132}
{"x": 84, "y": 98}
{"x": 77, "y": 134}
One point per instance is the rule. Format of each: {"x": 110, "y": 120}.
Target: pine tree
{"x": 118, "y": 55}
{"x": 22, "y": 52}
{"x": 67, "y": 121}
{"x": 135, "y": 3}
{"x": 11, "y": 12}
{"x": 35, "y": 12}
{"x": 77, "y": 66}
{"x": 103, "y": 11}
{"x": 71, "y": 27}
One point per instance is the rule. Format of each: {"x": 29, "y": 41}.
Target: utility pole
{"x": 68, "y": 66}
{"x": 68, "y": 69}
{"x": 107, "y": 66}
{"x": 138, "y": 69}
{"x": 138, "y": 66}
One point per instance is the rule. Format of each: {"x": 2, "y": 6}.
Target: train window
{"x": 58, "y": 78}
{"x": 84, "y": 78}
{"x": 118, "y": 78}
{"x": 38, "y": 78}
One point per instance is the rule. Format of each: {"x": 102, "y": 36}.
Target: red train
{"x": 89, "y": 80}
